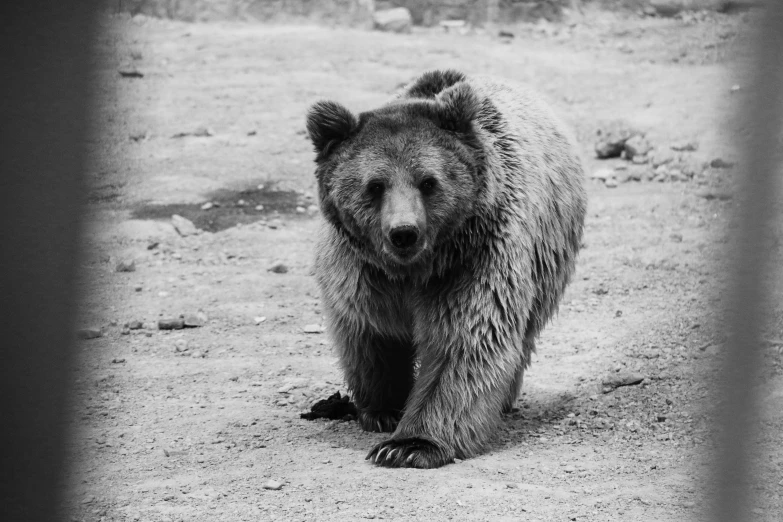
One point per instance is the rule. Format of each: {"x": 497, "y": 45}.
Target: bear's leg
{"x": 513, "y": 392}
{"x": 470, "y": 359}
{"x": 528, "y": 347}
{"x": 379, "y": 374}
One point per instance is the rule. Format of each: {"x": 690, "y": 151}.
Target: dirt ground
{"x": 192, "y": 424}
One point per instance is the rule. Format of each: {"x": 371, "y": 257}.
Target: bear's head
{"x": 401, "y": 179}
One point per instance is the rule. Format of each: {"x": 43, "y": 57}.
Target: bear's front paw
{"x": 410, "y": 452}
{"x": 379, "y": 421}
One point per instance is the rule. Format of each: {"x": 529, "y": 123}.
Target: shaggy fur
{"x": 482, "y": 175}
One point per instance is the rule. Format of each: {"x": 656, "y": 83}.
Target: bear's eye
{"x": 375, "y": 188}
{"x": 428, "y": 185}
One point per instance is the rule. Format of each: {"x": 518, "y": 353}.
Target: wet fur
{"x": 502, "y": 241}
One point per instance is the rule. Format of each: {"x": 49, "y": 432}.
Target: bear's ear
{"x": 457, "y": 107}
{"x": 329, "y": 124}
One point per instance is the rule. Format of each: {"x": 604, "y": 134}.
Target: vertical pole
{"x": 751, "y": 255}
{"x": 45, "y": 54}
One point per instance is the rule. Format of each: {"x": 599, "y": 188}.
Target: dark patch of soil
{"x": 230, "y": 207}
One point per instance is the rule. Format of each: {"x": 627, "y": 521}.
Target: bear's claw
{"x": 410, "y": 452}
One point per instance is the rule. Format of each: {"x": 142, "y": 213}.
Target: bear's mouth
{"x": 405, "y": 256}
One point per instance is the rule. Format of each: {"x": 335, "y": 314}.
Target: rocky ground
{"x": 201, "y": 423}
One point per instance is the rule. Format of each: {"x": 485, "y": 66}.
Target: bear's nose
{"x": 404, "y": 237}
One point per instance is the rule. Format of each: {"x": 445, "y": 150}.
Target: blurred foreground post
{"x": 45, "y": 48}
{"x": 752, "y": 264}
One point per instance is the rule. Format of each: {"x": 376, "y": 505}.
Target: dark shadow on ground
{"x": 230, "y": 207}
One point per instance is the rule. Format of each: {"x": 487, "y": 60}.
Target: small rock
{"x": 195, "y": 320}
{"x": 135, "y": 325}
{"x": 138, "y": 288}
{"x": 603, "y": 174}
{"x": 626, "y": 379}
{"x": 300, "y": 210}
{"x": 660, "y": 418}
{"x": 118, "y": 360}
{"x": 610, "y": 183}
{"x": 714, "y": 194}
{"x": 259, "y": 207}
{"x": 636, "y": 146}
{"x": 177, "y": 323}
{"x": 569, "y": 469}
{"x": 278, "y": 267}
{"x": 259, "y": 320}
{"x": 720, "y": 163}
{"x": 312, "y": 209}
{"x": 89, "y": 333}
{"x": 180, "y": 345}
{"x": 273, "y": 485}
{"x": 611, "y": 139}
{"x": 735, "y": 88}
{"x": 184, "y": 226}
{"x": 126, "y": 265}
{"x": 130, "y": 72}
{"x": 313, "y": 329}
{"x": 197, "y": 354}
{"x": 685, "y": 146}
{"x": 397, "y": 20}
{"x": 206, "y": 206}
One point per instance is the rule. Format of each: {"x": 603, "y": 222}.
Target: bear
{"x": 453, "y": 215}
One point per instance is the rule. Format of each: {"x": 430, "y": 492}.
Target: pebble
{"x": 301, "y": 210}
{"x": 274, "y": 485}
{"x": 610, "y": 183}
{"x": 135, "y": 325}
{"x": 118, "y": 360}
{"x": 720, "y": 163}
{"x": 259, "y": 207}
{"x": 184, "y": 226}
{"x": 312, "y": 209}
{"x": 171, "y": 323}
{"x": 180, "y": 345}
{"x": 569, "y": 469}
{"x": 195, "y": 320}
{"x": 89, "y": 333}
{"x": 259, "y": 320}
{"x": 625, "y": 379}
{"x": 278, "y": 267}
{"x": 603, "y": 174}
{"x": 636, "y": 146}
{"x": 138, "y": 288}
{"x": 313, "y": 329}
{"x": 660, "y": 418}
{"x": 685, "y": 146}
{"x": 206, "y": 206}
{"x": 197, "y": 354}
{"x": 126, "y": 265}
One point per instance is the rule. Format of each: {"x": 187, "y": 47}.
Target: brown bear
{"x": 453, "y": 217}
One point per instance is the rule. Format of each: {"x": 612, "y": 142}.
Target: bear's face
{"x": 400, "y": 179}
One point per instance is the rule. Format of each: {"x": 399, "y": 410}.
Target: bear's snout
{"x": 405, "y": 236}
